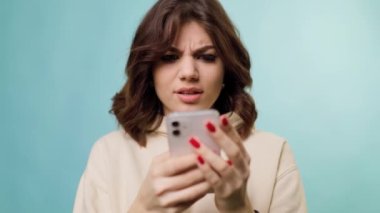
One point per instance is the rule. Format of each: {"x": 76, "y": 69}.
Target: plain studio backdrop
{"x": 315, "y": 67}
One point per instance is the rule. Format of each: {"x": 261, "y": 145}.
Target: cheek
{"x": 158, "y": 78}
{"x": 213, "y": 70}
{"x": 217, "y": 77}
{"x": 162, "y": 81}
{"x": 164, "y": 74}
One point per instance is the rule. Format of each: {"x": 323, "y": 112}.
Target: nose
{"x": 188, "y": 70}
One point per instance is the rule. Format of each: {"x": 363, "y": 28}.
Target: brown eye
{"x": 207, "y": 57}
{"x": 169, "y": 58}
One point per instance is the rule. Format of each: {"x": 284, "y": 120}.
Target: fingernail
{"x": 229, "y": 162}
{"x": 210, "y": 127}
{"x": 194, "y": 143}
{"x": 224, "y": 121}
{"x": 200, "y": 160}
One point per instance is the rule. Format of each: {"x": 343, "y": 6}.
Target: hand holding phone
{"x": 181, "y": 126}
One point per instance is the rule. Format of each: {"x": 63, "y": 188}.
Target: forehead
{"x": 192, "y": 35}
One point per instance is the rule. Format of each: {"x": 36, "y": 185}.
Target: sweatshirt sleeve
{"x": 92, "y": 193}
{"x": 288, "y": 195}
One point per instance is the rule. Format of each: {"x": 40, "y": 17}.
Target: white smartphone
{"x": 181, "y": 126}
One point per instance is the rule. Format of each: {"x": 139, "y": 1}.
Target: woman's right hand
{"x": 172, "y": 185}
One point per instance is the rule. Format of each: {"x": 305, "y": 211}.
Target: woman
{"x": 187, "y": 56}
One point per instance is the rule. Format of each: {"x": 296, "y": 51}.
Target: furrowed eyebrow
{"x": 197, "y": 51}
{"x": 203, "y": 49}
{"x": 173, "y": 49}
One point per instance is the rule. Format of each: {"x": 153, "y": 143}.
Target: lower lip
{"x": 189, "y": 99}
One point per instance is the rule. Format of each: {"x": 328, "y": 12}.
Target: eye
{"x": 207, "y": 57}
{"x": 169, "y": 58}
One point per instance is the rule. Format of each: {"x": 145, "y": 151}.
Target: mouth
{"x": 189, "y": 91}
{"x": 189, "y": 95}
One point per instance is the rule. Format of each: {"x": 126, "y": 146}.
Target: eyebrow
{"x": 197, "y": 51}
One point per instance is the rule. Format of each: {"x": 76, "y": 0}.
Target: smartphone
{"x": 181, "y": 126}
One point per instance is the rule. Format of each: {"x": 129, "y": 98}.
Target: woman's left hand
{"x": 228, "y": 178}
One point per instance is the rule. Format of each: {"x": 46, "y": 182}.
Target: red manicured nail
{"x": 229, "y": 162}
{"x": 210, "y": 127}
{"x": 200, "y": 160}
{"x": 194, "y": 143}
{"x": 224, "y": 121}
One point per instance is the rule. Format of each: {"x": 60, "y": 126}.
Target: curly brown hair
{"x": 137, "y": 107}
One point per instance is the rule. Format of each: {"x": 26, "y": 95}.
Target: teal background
{"x": 315, "y": 68}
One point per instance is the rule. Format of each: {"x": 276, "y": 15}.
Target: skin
{"x": 228, "y": 179}
{"x": 191, "y": 63}
{"x": 173, "y": 184}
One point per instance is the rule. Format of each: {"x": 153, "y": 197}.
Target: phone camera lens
{"x": 175, "y": 123}
{"x": 176, "y": 132}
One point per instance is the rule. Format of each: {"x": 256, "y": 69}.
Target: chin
{"x": 190, "y": 108}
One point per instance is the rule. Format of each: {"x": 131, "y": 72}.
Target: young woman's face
{"x": 189, "y": 76}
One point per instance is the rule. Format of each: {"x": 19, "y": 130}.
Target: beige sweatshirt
{"x": 117, "y": 166}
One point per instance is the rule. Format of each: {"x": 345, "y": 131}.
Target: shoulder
{"x": 275, "y": 182}
{"x": 266, "y": 137}
{"x": 265, "y": 141}
{"x": 112, "y": 143}
{"x": 113, "y": 138}
{"x": 267, "y": 148}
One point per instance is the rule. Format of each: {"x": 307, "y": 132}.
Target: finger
{"x": 173, "y": 165}
{"x": 179, "y": 207}
{"x": 229, "y": 129}
{"x": 222, "y": 175}
{"x": 163, "y": 156}
{"x": 231, "y": 149}
{"x": 223, "y": 184}
{"x": 188, "y": 194}
{"x": 217, "y": 163}
{"x": 178, "y": 182}
{"x": 209, "y": 174}
{"x": 232, "y": 133}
